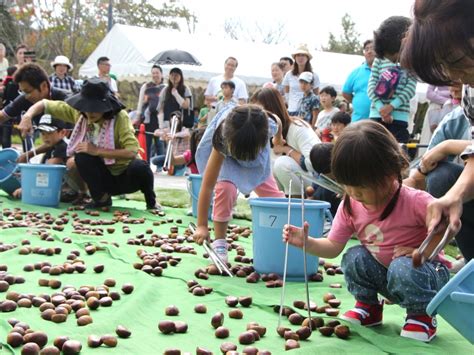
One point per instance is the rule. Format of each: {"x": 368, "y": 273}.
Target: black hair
{"x": 365, "y": 155}
{"x": 388, "y": 37}
{"x": 228, "y": 83}
{"x": 366, "y": 42}
{"x": 320, "y": 157}
{"x": 181, "y": 87}
{"x": 341, "y": 117}
{"x": 194, "y": 140}
{"x": 243, "y": 133}
{"x": 329, "y": 90}
{"x": 157, "y": 67}
{"x": 288, "y": 59}
{"x": 20, "y": 46}
{"x": 33, "y": 74}
{"x": 11, "y": 70}
{"x": 102, "y": 59}
{"x": 440, "y": 29}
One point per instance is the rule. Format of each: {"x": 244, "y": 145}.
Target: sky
{"x": 304, "y": 21}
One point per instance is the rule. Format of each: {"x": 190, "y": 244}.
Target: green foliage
{"x": 348, "y": 42}
{"x": 8, "y": 32}
{"x": 75, "y": 27}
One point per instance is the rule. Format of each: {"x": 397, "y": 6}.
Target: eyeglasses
{"x": 369, "y": 48}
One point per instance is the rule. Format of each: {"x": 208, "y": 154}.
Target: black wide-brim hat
{"x": 95, "y": 96}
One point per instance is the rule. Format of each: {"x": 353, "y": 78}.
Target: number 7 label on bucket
{"x": 271, "y": 220}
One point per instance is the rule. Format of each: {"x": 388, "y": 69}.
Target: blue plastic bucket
{"x": 194, "y": 186}
{"x": 41, "y": 184}
{"x": 455, "y": 302}
{"x": 269, "y": 215}
{"x": 9, "y": 171}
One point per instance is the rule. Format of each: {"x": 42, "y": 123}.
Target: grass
{"x": 17, "y": 140}
{"x": 177, "y": 198}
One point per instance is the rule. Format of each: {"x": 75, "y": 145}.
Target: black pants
{"x": 399, "y": 129}
{"x": 6, "y": 131}
{"x": 99, "y": 180}
{"x": 438, "y": 182}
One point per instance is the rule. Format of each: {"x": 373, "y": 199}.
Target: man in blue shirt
{"x": 355, "y": 87}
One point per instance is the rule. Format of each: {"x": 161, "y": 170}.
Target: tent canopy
{"x": 130, "y": 49}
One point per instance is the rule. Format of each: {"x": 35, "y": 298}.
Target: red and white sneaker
{"x": 419, "y": 327}
{"x": 365, "y": 314}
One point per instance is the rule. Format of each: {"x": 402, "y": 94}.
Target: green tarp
{"x": 144, "y": 308}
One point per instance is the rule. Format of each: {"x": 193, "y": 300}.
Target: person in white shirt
{"x": 213, "y": 91}
{"x": 103, "y": 65}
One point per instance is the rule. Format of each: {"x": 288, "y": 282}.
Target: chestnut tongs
{"x": 434, "y": 243}
{"x": 216, "y": 260}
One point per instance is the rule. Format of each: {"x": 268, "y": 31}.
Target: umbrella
{"x": 175, "y": 56}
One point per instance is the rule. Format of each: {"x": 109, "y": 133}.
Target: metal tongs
{"x": 434, "y": 243}
{"x": 282, "y": 297}
{"x": 221, "y": 266}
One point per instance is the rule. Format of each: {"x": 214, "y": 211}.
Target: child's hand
{"x": 17, "y": 193}
{"x": 201, "y": 234}
{"x": 402, "y": 251}
{"x": 386, "y": 110}
{"x": 295, "y": 235}
{"x": 279, "y": 149}
{"x": 22, "y": 158}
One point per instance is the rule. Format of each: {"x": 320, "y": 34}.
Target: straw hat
{"x": 302, "y": 49}
{"x": 62, "y": 59}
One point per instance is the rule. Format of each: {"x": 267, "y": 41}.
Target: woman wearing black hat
{"x": 103, "y": 143}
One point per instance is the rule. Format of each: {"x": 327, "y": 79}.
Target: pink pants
{"x": 225, "y": 195}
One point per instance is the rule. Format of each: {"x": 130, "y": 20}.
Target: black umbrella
{"x": 175, "y": 56}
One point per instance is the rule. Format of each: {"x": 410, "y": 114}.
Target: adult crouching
{"x": 102, "y": 144}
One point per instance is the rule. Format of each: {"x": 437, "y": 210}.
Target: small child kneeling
{"x": 388, "y": 218}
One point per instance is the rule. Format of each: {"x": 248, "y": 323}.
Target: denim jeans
{"x": 438, "y": 182}
{"x": 401, "y": 283}
{"x": 159, "y": 161}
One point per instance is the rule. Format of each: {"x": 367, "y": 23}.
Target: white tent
{"x": 130, "y": 48}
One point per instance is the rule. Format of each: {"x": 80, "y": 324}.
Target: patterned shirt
{"x": 307, "y": 105}
{"x": 67, "y": 83}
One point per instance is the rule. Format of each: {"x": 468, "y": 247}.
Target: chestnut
{"x": 172, "y": 352}
{"x": 59, "y": 341}
{"x": 336, "y": 285}
{"x": 14, "y": 339}
{"x": 342, "y": 331}
{"x": 251, "y": 350}
{"x": 109, "y": 340}
{"x": 180, "y": 327}
{"x": 225, "y": 347}
{"x": 222, "y": 332}
{"x": 39, "y": 338}
{"x": 304, "y": 333}
{"x": 166, "y": 326}
{"x": 328, "y": 296}
{"x": 333, "y": 323}
{"x": 258, "y": 328}
{"x": 30, "y": 349}
{"x": 236, "y": 314}
{"x": 291, "y": 344}
{"x": 200, "y": 308}
{"x": 122, "y": 332}
{"x": 71, "y": 347}
{"x": 127, "y": 289}
{"x": 231, "y": 301}
{"x": 203, "y": 351}
{"x": 332, "y": 312}
{"x": 84, "y": 320}
{"x": 50, "y": 350}
{"x": 217, "y": 320}
{"x": 296, "y": 319}
{"x": 246, "y": 338}
{"x": 171, "y": 311}
{"x": 316, "y": 322}
{"x": 99, "y": 268}
{"x": 94, "y": 341}
{"x": 245, "y": 301}
{"x": 326, "y": 331}
{"x": 299, "y": 304}
{"x": 281, "y": 331}
{"x": 334, "y": 303}
{"x": 289, "y": 334}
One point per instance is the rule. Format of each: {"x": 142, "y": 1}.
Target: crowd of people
{"x": 289, "y": 128}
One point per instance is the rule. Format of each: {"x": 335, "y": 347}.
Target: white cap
{"x": 306, "y": 76}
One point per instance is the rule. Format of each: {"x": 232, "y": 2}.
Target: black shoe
{"x": 68, "y": 196}
{"x": 99, "y": 204}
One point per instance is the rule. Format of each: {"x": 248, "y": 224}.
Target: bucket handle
{"x": 32, "y": 141}
{"x": 462, "y": 297}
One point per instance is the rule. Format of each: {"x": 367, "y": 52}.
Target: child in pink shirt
{"x": 389, "y": 221}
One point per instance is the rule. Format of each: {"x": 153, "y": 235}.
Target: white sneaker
{"x": 220, "y": 248}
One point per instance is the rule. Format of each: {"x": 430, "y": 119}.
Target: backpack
{"x": 388, "y": 82}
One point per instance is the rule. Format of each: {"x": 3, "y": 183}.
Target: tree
{"x": 348, "y": 42}
{"x": 75, "y": 27}
{"x": 234, "y": 28}
{"x": 8, "y": 31}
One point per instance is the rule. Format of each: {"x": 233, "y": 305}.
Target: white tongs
{"x": 221, "y": 266}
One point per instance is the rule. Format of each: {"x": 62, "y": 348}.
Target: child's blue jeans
{"x": 411, "y": 288}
